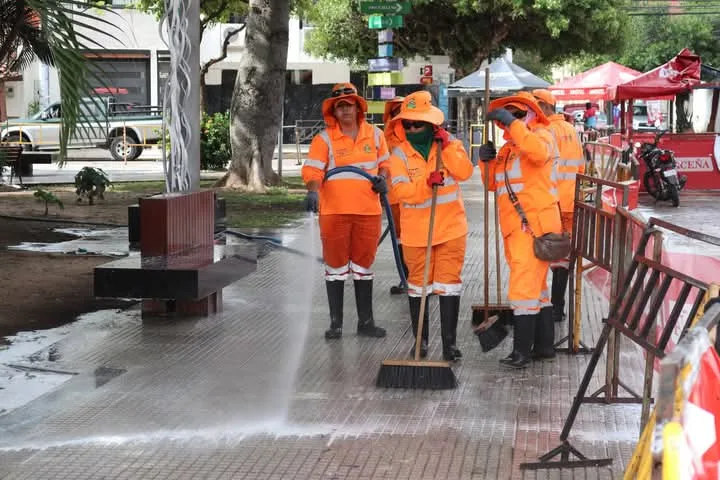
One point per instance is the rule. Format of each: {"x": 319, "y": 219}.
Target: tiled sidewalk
{"x": 257, "y": 393}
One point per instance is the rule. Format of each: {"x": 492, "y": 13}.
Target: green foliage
{"x": 211, "y": 11}
{"x": 653, "y": 40}
{"x": 33, "y": 107}
{"x": 468, "y": 31}
{"x": 215, "y": 141}
{"x": 49, "y": 198}
{"x": 91, "y": 182}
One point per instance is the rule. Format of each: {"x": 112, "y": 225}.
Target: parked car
{"x": 122, "y": 128}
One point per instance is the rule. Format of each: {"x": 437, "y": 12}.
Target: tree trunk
{"x": 256, "y": 104}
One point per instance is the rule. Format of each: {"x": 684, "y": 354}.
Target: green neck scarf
{"x": 421, "y": 141}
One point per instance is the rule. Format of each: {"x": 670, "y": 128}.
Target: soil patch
{"x": 44, "y": 290}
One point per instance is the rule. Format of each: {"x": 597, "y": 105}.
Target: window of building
{"x": 122, "y": 3}
{"x": 298, "y": 77}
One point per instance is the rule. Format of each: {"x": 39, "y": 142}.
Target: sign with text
{"x": 385, "y": 50}
{"x": 385, "y": 36}
{"x": 385, "y": 64}
{"x": 381, "y": 21}
{"x": 389, "y": 7}
{"x": 427, "y": 71}
{"x": 387, "y": 93}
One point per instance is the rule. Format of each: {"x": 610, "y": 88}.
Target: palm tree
{"x": 55, "y": 32}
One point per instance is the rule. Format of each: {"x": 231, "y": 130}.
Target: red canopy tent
{"x": 594, "y": 84}
{"x": 676, "y": 76}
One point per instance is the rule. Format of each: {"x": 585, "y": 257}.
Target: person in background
{"x": 522, "y": 175}
{"x": 571, "y": 162}
{"x": 349, "y": 206}
{"x": 413, "y": 169}
{"x": 590, "y": 116}
{"x": 616, "y": 115}
{"x": 392, "y": 108}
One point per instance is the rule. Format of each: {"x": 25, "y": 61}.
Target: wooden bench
{"x": 21, "y": 161}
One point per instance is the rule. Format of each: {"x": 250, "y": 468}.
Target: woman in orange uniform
{"x": 349, "y": 206}
{"x": 392, "y": 108}
{"x": 412, "y": 165}
{"x": 523, "y": 168}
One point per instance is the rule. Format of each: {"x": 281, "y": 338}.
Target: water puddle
{"x": 106, "y": 242}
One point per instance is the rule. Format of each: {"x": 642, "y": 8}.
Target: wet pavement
{"x": 257, "y": 393}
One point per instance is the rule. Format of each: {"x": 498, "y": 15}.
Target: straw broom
{"x": 416, "y": 373}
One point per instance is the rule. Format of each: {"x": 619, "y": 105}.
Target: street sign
{"x": 384, "y": 79}
{"x": 385, "y": 36}
{"x": 394, "y": 8}
{"x": 387, "y": 93}
{"x": 385, "y": 64}
{"x": 427, "y": 71}
{"x": 426, "y": 80}
{"x": 381, "y": 21}
{"x": 385, "y": 50}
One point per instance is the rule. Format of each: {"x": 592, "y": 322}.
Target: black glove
{"x": 501, "y": 115}
{"x": 487, "y": 152}
{"x": 379, "y": 185}
{"x": 311, "y": 202}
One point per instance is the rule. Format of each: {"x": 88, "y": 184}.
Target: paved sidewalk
{"x": 257, "y": 393}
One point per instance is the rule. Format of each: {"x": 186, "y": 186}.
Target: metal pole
{"x": 280, "y": 139}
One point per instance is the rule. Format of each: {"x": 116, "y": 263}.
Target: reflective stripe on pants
{"x": 446, "y": 263}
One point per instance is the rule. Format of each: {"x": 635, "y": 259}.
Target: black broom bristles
{"x": 416, "y": 375}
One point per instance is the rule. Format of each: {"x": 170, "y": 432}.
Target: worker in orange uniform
{"x": 392, "y": 108}
{"x": 412, "y": 165}
{"x": 570, "y": 163}
{"x": 523, "y": 170}
{"x": 349, "y": 206}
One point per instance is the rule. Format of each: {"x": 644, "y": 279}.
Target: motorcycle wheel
{"x": 651, "y": 186}
{"x": 674, "y": 195}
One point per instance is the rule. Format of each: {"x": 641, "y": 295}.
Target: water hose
{"x": 388, "y": 214}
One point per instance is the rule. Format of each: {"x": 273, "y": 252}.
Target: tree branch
{"x": 12, "y": 35}
{"x": 206, "y": 67}
{"x": 211, "y": 17}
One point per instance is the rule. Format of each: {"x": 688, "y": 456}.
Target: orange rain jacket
{"x": 346, "y": 193}
{"x": 409, "y": 172}
{"x": 527, "y": 157}
{"x": 571, "y": 161}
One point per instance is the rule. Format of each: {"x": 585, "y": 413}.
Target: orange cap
{"x": 341, "y": 91}
{"x": 543, "y": 95}
{"x": 418, "y": 106}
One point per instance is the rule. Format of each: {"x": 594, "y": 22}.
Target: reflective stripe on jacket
{"x": 409, "y": 172}
{"x": 392, "y": 141}
{"x": 571, "y": 161}
{"x": 527, "y": 157}
{"x": 346, "y": 193}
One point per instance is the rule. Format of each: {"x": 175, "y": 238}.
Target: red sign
{"x": 701, "y": 414}
{"x": 426, "y": 80}
{"x": 427, "y": 71}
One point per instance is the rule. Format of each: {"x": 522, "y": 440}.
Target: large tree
{"x": 469, "y": 31}
{"x": 256, "y": 104}
{"x": 212, "y": 12}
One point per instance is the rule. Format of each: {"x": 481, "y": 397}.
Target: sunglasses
{"x": 519, "y": 114}
{"x": 343, "y": 91}
{"x": 413, "y": 124}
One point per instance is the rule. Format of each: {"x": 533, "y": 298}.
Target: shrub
{"x": 48, "y": 198}
{"x": 215, "y": 141}
{"x": 91, "y": 182}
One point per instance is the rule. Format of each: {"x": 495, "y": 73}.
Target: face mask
{"x": 529, "y": 117}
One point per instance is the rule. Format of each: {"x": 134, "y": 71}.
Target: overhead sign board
{"x": 388, "y": 7}
{"x": 382, "y": 21}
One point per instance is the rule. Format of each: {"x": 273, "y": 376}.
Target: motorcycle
{"x": 661, "y": 180}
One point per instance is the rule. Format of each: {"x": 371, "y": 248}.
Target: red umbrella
{"x": 594, "y": 84}
{"x": 676, "y": 76}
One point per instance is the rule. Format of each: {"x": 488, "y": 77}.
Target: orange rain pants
{"x": 528, "y": 275}
{"x": 349, "y": 245}
{"x": 446, "y": 263}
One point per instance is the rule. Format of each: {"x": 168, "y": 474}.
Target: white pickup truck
{"x": 124, "y": 129}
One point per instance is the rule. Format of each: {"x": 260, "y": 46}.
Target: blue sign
{"x": 385, "y": 64}
{"x": 385, "y": 50}
{"x": 443, "y": 99}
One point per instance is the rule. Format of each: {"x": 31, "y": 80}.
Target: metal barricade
{"x": 607, "y": 162}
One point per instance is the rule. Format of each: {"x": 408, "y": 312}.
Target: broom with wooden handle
{"x": 416, "y": 373}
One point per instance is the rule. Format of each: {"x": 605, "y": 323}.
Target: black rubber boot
{"x": 363, "y": 301}
{"x": 414, "y": 316}
{"x": 398, "y": 289}
{"x": 544, "y": 335}
{"x": 335, "y": 291}
{"x": 523, "y": 336}
{"x": 559, "y": 285}
{"x": 449, "y": 312}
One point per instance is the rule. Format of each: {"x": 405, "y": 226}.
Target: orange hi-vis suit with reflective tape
{"x": 526, "y": 161}
{"x": 571, "y": 162}
{"x": 350, "y": 212}
{"x": 392, "y": 141}
{"x": 409, "y": 172}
